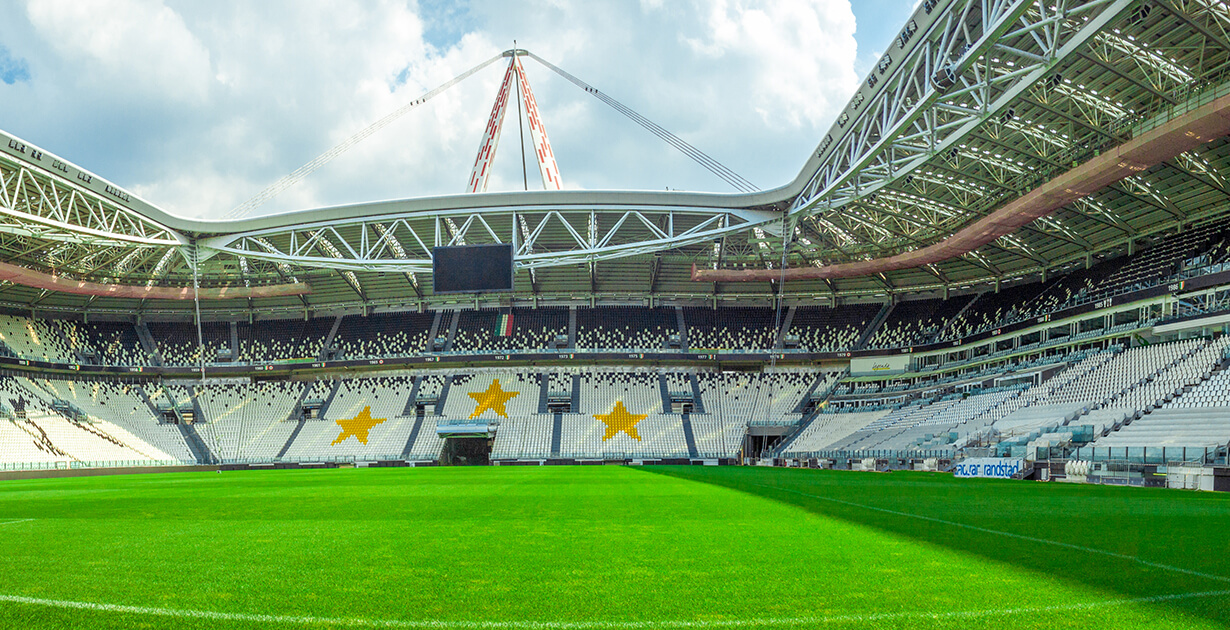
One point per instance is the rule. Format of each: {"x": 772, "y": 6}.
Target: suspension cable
{"x": 196, "y": 300}
{"x": 525, "y": 177}
{"x": 787, "y": 236}
{"x": 727, "y": 175}
{"x": 717, "y": 168}
{"x": 324, "y": 158}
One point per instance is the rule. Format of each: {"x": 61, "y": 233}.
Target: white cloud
{"x": 803, "y": 53}
{"x": 198, "y": 106}
{"x": 141, "y": 46}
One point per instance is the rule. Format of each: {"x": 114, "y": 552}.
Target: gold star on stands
{"x": 493, "y": 399}
{"x": 620, "y": 420}
{"x": 357, "y": 426}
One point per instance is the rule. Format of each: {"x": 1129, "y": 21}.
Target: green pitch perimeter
{"x": 595, "y": 548}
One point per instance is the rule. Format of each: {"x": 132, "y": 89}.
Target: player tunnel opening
{"x": 466, "y": 442}
{"x": 466, "y": 451}
{"x": 762, "y": 441}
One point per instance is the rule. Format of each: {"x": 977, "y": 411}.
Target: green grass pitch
{"x": 606, "y": 547}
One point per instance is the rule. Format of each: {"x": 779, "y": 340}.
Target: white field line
{"x": 24, "y": 520}
{"x": 1103, "y": 552}
{"x": 355, "y": 622}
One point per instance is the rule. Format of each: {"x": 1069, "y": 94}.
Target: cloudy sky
{"x": 199, "y": 105}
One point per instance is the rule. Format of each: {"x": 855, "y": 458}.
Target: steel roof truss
{"x": 867, "y": 160}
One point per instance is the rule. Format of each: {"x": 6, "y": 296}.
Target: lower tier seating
{"x": 40, "y": 427}
{"x": 1156, "y": 396}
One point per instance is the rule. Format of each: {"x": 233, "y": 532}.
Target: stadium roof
{"x": 976, "y": 107}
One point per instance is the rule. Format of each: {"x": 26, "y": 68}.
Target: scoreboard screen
{"x": 472, "y": 268}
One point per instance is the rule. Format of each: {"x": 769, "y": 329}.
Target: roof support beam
{"x": 1173, "y": 137}
{"x": 872, "y": 159}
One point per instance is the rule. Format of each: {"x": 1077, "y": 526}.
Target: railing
{"x": 775, "y": 422}
{"x": 876, "y": 453}
{"x": 336, "y": 459}
{"x": 611, "y": 455}
{"x": 465, "y": 422}
{"x": 75, "y": 465}
{"x": 1150, "y": 454}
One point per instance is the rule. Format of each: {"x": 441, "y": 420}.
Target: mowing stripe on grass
{"x": 590, "y": 625}
{"x": 1112, "y": 554}
{"x": 24, "y": 520}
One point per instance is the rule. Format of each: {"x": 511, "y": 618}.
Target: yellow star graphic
{"x": 357, "y": 426}
{"x": 493, "y": 399}
{"x": 620, "y": 420}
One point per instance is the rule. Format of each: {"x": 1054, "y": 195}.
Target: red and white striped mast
{"x": 515, "y": 74}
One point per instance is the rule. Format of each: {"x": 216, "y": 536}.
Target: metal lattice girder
{"x": 542, "y": 236}
{"x": 975, "y": 104}
{"x": 50, "y": 221}
{"x": 39, "y": 204}
{"x": 967, "y": 66}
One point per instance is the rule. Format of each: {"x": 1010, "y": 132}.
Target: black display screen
{"x": 472, "y": 268}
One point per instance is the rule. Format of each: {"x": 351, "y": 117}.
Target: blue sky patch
{"x": 445, "y": 21}
{"x": 13, "y": 69}
{"x": 877, "y": 23}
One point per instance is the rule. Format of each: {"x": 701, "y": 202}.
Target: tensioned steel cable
{"x": 717, "y": 168}
{"x": 736, "y": 181}
{"x": 324, "y": 158}
{"x": 780, "y": 297}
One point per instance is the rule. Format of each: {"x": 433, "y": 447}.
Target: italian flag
{"x": 504, "y": 327}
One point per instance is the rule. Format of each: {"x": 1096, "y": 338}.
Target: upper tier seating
{"x": 110, "y": 343}
{"x": 37, "y": 339}
{"x": 383, "y": 335}
{"x": 260, "y": 342}
{"x": 117, "y": 344}
{"x": 620, "y": 328}
{"x": 1142, "y": 270}
{"x": 177, "y": 342}
{"x": 991, "y": 310}
{"x": 624, "y": 328}
{"x": 916, "y": 322}
{"x": 532, "y": 329}
{"x": 281, "y": 339}
{"x": 1070, "y": 289}
{"x": 824, "y": 329}
{"x": 730, "y": 328}
{"x": 1164, "y": 258}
